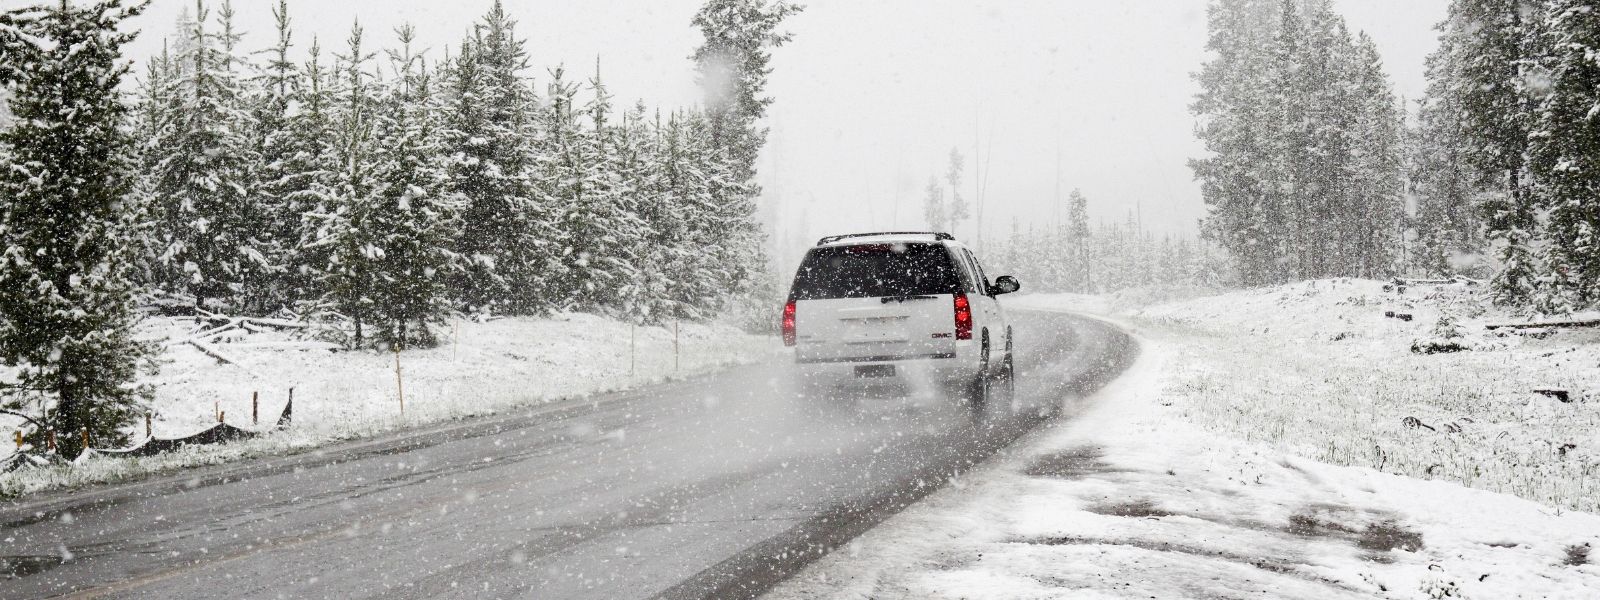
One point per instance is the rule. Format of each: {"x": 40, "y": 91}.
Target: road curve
{"x": 714, "y": 487}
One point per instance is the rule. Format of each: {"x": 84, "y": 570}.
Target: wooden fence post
{"x": 147, "y": 433}
{"x": 19, "y": 440}
{"x": 50, "y": 440}
{"x": 85, "y": 435}
{"x": 399, "y": 384}
{"x": 255, "y": 408}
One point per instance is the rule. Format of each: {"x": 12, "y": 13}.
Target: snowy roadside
{"x": 1317, "y": 370}
{"x": 478, "y": 369}
{"x": 1132, "y": 500}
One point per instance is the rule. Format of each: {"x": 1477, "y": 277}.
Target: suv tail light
{"x": 788, "y": 324}
{"x": 963, "y": 318}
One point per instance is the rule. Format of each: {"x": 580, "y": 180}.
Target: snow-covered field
{"x": 479, "y": 368}
{"x": 1205, "y": 472}
{"x": 1317, "y": 370}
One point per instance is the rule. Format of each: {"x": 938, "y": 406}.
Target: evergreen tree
{"x": 354, "y": 243}
{"x": 958, "y": 209}
{"x": 597, "y": 219}
{"x": 214, "y": 247}
{"x": 726, "y": 232}
{"x": 733, "y": 65}
{"x": 1446, "y": 220}
{"x": 509, "y": 240}
{"x": 1565, "y": 150}
{"x": 1303, "y": 175}
{"x": 1077, "y": 245}
{"x": 934, "y": 210}
{"x": 670, "y": 278}
{"x": 67, "y": 293}
{"x": 153, "y": 112}
{"x": 1373, "y": 203}
{"x": 305, "y": 184}
{"x": 393, "y": 242}
{"x": 1481, "y": 56}
{"x": 1236, "y": 126}
{"x": 277, "y": 175}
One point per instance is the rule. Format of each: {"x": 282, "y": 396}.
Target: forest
{"x": 370, "y": 188}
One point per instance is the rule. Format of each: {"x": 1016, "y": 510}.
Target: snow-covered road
{"x": 719, "y": 486}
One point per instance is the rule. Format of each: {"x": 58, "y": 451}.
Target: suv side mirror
{"x": 1005, "y": 284}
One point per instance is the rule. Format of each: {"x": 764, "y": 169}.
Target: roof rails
{"x": 834, "y": 238}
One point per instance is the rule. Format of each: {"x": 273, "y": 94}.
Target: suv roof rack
{"x": 937, "y": 235}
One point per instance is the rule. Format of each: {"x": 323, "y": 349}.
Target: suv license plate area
{"x": 874, "y": 371}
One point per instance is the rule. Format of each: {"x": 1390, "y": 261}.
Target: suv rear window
{"x": 875, "y": 270}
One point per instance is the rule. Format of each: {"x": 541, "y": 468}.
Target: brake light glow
{"x": 963, "y": 318}
{"x": 788, "y": 324}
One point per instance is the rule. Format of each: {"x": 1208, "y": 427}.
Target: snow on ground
{"x": 1131, "y": 499}
{"x": 478, "y": 368}
{"x": 1316, "y": 369}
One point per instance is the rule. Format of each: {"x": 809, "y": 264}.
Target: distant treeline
{"x": 1076, "y": 257}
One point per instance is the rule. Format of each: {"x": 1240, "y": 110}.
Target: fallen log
{"x": 1545, "y": 325}
{"x": 1561, "y": 395}
{"x": 289, "y": 345}
{"x": 213, "y": 352}
{"x": 203, "y": 336}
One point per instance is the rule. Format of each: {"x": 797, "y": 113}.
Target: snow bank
{"x": 1132, "y": 500}
{"x": 478, "y": 369}
{"x": 1317, "y": 369}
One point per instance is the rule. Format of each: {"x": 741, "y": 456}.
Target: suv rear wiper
{"x": 888, "y": 299}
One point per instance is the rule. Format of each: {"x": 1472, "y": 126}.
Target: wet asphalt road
{"x": 714, "y": 487}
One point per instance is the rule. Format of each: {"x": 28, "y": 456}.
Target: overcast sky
{"x": 871, "y": 96}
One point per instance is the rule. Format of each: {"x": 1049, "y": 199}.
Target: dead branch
{"x": 1546, "y": 325}
{"x": 213, "y": 352}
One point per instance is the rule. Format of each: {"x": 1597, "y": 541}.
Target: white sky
{"x": 871, "y": 96}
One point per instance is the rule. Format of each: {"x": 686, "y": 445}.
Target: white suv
{"x": 903, "y": 308}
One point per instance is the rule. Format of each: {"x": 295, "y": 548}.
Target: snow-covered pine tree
{"x": 67, "y": 311}
{"x": 1443, "y": 185}
{"x": 305, "y": 184}
{"x": 641, "y": 299}
{"x": 1565, "y": 150}
{"x": 393, "y": 242}
{"x": 1374, "y": 207}
{"x": 686, "y": 206}
{"x": 353, "y": 243}
{"x": 213, "y": 226}
{"x": 934, "y": 210}
{"x": 1078, "y": 244}
{"x": 958, "y": 209}
{"x": 727, "y": 236}
{"x": 596, "y": 219}
{"x": 1481, "y": 50}
{"x": 1236, "y": 127}
{"x": 153, "y": 110}
{"x": 1292, "y": 127}
{"x": 733, "y": 65}
{"x": 508, "y": 236}
{"x": 271, "y": 101}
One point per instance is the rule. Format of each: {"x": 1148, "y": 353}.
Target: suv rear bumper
{"x": 930, "y": 371}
